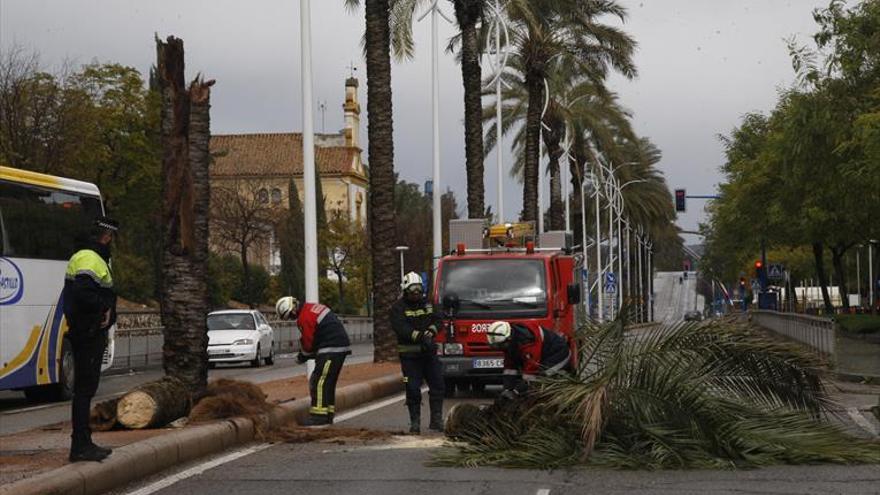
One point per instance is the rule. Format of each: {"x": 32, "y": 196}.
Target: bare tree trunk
{"x": 837, "y": 253}
{"x": 185, "y": 204}
{"x": 818, "y": 258}
{"x": 381, "y": 153}
{"x": 467, "y": 13}
{"x": 245, "y": 274}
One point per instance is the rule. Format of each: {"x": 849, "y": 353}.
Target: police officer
{"x": 529, "y": 351}
{"x": 415, "y": 324}
{"x": 324, "y": 339}
{"x": 89, "y": 304}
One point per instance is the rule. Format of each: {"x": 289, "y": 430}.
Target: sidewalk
{"x": 28, "y": 454}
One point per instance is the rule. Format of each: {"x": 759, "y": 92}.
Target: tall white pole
{"x": 310, "y": 203}
{"x": 619, "y": 252}
{"x": 858, "y": 277}
{"x": 499, "y": 165}
{"x": 628, "y": 266}
{"x": 541, "y": 179}
{"x": 650, "y": 282}
{"x": 609, "y": 191}
{"x": 435, "y": 109}
{"x": 641, "y": 288}
{"x": 871, "y": 275}
{"x": 565, "y": 195}
{"x": 586, "y": 268}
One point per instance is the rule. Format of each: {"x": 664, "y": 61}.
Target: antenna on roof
{"x": 351, "y": 69}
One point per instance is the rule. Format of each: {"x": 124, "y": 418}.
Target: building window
{"x": 263, "y": 196}
{"x": 276, "y": 196}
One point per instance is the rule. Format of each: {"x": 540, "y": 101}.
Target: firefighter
{"x": 415, "y": 323}
{"x": 89, "y": 305}
{"x": 324, "y": 339}
{"x": 529, "y": 351}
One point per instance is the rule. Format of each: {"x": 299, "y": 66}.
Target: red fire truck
{"x": 512, "y": 281}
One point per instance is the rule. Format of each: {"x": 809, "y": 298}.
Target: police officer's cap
{"x": 107, "y": 223}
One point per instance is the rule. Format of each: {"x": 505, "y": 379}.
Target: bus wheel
{"x": 63, "y": 390}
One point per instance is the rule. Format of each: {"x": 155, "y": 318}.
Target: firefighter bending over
{"x": 415, "y": 323}
{"x": 528, "y": 352}
{"x": 324, "y": 339}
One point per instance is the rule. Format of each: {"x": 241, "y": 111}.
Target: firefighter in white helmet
{"x": 529, "y": 351}
{"x": 324, "y": 339}
{"x": 415, "y": 323}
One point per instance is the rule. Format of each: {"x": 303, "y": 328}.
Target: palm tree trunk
{"x": 819, "y": 259}
{"x": 381, "y": 156}
{"x": 186, "y": 136}
{"x": 533, "y": 128}
{"x": 552, "y": 139}
{"x": 467, "y": 13}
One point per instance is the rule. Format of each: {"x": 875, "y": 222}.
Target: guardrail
{"x": 817, "y": 333}
{"x": 142, "y": 347}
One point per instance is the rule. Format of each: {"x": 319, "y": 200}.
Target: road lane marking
{"x": 201, "y": 468}
{"x": 862, "y": 421}
{"x": 543, "y": 491}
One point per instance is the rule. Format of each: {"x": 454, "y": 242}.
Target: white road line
{"x": 862, "y": 421}
{"x": 543, "y": 491}
{"x": 201, "y": 468}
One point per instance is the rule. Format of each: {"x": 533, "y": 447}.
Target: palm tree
{"x": 541, "y": 31}
{"x": 468, "y": 14}
{"x": 377, "y": 49}
{"x": 719, "y": 395}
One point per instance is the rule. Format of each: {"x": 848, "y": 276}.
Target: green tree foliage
{"x": 290, "y": 237}
{"x": 806, "y": 176}
{"x": 97, "y": 124}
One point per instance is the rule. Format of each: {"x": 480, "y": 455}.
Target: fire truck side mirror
{"x": 574, "y": 293}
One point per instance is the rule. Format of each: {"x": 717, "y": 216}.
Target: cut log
{"x": 154, "y": 404}
{"x": 103, "y": 417}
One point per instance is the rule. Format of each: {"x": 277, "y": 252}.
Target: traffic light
{"x": 760, "y": 272}
{"x": 679, "y": 200}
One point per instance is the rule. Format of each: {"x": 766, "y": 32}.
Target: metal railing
{"x": 815, "y": 332}
{"x": 142, "y": 347}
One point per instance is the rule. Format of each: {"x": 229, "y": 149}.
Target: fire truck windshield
{"x": 496, "y": 288}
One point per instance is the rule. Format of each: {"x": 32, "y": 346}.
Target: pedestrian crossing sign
{"x": 775, "y": 271}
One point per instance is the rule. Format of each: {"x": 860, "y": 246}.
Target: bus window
{"x": 42, "y": 223}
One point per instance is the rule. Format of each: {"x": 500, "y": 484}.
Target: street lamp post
{"x": 401, "y": 250}
{"x": 871, "y": 273}
{"x": 310, "y": 205}
{"x": 585, "y": 280}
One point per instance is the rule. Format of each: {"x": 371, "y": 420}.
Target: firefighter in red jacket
{"x": 324, "y": 339}
{"x": 529, "y": 351}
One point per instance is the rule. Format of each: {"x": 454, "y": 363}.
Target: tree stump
{"x": 154, "y": 404}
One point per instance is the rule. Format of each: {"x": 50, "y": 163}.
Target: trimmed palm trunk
{"x": 184, "y": 299}
{"x": 381, "y": 155}
{"x": 552, "y": 139}
{"x": 535, "y": 87}
{"x": 467, "y": 13}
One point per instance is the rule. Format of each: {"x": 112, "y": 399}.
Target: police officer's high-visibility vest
{"x": 90, "y": 263}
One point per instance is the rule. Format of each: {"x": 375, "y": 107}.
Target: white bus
{"x": 41, "y": 219}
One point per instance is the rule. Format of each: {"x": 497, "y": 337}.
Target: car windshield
{"x": 496, "y": 287}
{"x": 231, "y": 321}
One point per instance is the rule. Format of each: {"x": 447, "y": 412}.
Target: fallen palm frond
{"x": 716, "y": 395}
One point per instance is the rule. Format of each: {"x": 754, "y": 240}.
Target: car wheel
{"x": 258, "y": 358}
{"x": 270, "y": 359}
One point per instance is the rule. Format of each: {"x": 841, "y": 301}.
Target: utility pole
{"x": 309, "y": 203}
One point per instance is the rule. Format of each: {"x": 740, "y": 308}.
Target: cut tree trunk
{"x": 154, "y": 404}
{"x": 185, "y": 204}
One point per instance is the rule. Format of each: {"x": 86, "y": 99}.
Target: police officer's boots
{"x": 436, "y": 414}
{"x": 415, "y": 418}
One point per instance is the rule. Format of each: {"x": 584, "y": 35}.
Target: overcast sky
{"x": 702, "y": 65}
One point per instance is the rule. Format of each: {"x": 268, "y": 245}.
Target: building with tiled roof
{"x": 262, "y": 165}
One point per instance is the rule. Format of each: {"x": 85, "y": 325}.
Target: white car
{"x": 236, "y": 335}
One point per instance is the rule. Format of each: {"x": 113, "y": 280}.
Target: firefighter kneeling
{"x": 528, "y": 352}
{"x": 415, "y": 323}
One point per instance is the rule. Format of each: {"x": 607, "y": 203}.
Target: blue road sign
{"x": 610, "y": 282}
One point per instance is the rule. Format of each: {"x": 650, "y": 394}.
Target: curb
{"x": 146, "y": 457}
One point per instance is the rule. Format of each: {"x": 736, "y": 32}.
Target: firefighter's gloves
{"x": 426, "y": 338}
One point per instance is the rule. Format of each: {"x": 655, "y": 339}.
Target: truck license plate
{"x": 488, "y": 363}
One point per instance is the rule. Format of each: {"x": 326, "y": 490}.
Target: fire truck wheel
{"x": 449, "y": 387}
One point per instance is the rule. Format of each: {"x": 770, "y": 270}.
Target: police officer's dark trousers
{"x": 88, "y": 351}
{"x": 417, "y": 368}
{"x": 322, "y": 385}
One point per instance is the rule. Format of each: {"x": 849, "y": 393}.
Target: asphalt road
{"x": 18, "y": 414}
{"x": 401, "y": 465}
{"x": 673, "y": 299}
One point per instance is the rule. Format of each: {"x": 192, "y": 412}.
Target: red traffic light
{"x": 758, "y": 264}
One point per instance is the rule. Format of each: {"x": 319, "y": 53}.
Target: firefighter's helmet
{"x": 410, "y": 281}
{"x": 498, "y": 333}
{"x": 286, "y": 307}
